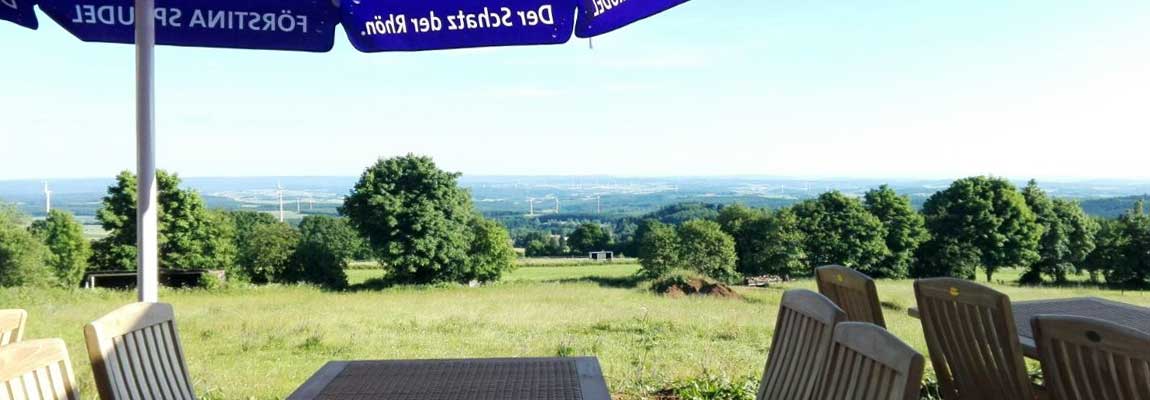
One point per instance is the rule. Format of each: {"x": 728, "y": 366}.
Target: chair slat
{"x": 852, "y": 291}
{"x": 972, "y": 340}
{"x": 870, "y": 364}
{"x": 136, "y": 354}
{"x": 36, "y": 370}
{"x": 800, "y": 346}
{"x": 1087, "y": 358}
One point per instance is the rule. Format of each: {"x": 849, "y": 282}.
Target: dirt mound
{"x": 699, "y": 287}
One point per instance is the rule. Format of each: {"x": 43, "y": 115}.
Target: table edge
{"x": 592, "y": 383}
{"x": 315, "y": 385}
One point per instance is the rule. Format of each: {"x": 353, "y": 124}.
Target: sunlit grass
{"x": 262, "y": 342}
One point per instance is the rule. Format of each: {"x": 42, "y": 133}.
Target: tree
{"x": 658, "y": 248}
{"x": 23, "y": 258}
{"x": 491, "y": 253}
{"x": 1053, "y": 244}
{"x": 1133, "y": 267}
{"x": 321, "y": 255}
{"x": 589, "y": 237}
{"x": 334, "y": 233}
{"x": 185, "y": 227}
{"x": 68, "y": 250}
{"x": 705, "y": 248}
{"x": 275, "y": 246}
{"x": 245, "y": 225}
{"x": 775, "y": 246}
{"x": 977, "y": 220}
{"x": 1110, "y": 243}
{"x": 416, "y": 218}
{"x": 737, "y": 220}
{"x": 1081, "y": 228}
{"x": 905, "y": 229}
{"x": 839, "y": 230}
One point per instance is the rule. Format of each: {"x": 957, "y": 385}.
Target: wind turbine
{"x": 556, "y": 204}
{"x": 530, "y": 206}
{"x": 598, "y": 204}
{"x": 47, "y": 199}
{"x": 280, "y": 194}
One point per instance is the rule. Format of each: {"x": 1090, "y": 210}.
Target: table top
{"x": 575, "y": 378}
{"x": 1120, "y": 313}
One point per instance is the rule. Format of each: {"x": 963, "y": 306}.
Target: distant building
{"x": 602, "y": 255}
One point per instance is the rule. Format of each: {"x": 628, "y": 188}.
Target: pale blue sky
{"x": 1048, "y": 88}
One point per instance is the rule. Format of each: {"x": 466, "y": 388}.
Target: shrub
{"x": 68, "y": 250}
{"x": 705, "y": 248}
{"x": 658, "y": 248}
{"x": 273, "y": 246}
{"x": 23, "y": 258}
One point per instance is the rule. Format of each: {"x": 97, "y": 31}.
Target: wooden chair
{"x": 1085, "y": 358}
{"x": 799, "y": 346}
{"x": 136, "y": 354}
{"x": 869, "y": 363}
{"x": 972, "y": 340}
{"x": 852, "y": 291}
{"x": 12, "y": 326}
{"x": 37, "y": 370}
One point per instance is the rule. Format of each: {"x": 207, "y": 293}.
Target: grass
{"x": 262, "y": 342}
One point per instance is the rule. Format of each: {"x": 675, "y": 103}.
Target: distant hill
{"x": 1112, "y": 206}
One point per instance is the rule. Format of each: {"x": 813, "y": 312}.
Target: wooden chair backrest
{"x": 12, "y": 326}
{"x": 799, "y": 346}
{"x": 852, "y": 291}
{"x": 1085, "y": 358}
{"x": 869, "y": 363}
{"x": 972, "y": 340}
{"x": 136, "y": 354}
{"x": 37, "y": 370}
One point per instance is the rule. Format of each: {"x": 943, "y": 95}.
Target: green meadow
{"x": 262, "y": 342}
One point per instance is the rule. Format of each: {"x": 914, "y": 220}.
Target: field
{"x": 262, "y": 342}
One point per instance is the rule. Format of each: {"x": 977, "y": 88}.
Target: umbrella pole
{"x": 147, "y": 232}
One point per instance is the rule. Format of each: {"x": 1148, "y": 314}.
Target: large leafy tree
{"x": 905, "y": 229}
{"x": 68, "y": 250}
{"x": 705, "y": 248}
{"x": 1110, "y": 242}
{"x": 185, "y": 227}
{"x": 416, "y": 218}
{"x": 1133, "y": 259}
{"x": 737, "y": 220}
{"x": 839, "y": 230}
{"x": 977, "y": 220}
{"x": 658, "y": 248}
{"x": 589, "y": 237}
{"x": 23, "y": 257}
{"x": 774, "y": 245}
{"x": 1067, "y": 236}
{"x": 1053, "y": 244}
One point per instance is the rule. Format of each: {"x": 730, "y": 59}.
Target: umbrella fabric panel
{"x": 301, "y": 25}
{"x": 415, "y": 25}
{"x": 597, "y": 17}
{"x": 21, "y": 12}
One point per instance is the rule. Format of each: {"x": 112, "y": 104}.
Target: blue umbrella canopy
{"x": 371, "y": 25}
{"x": 20, "y": 12}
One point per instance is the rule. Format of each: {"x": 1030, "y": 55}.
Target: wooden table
{"x": 1120, "y": 313}
{"x": 575, "y": 378}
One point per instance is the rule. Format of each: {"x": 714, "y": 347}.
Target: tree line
{"x": 404, "y": 212}
{"x": 976, "y": 224}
